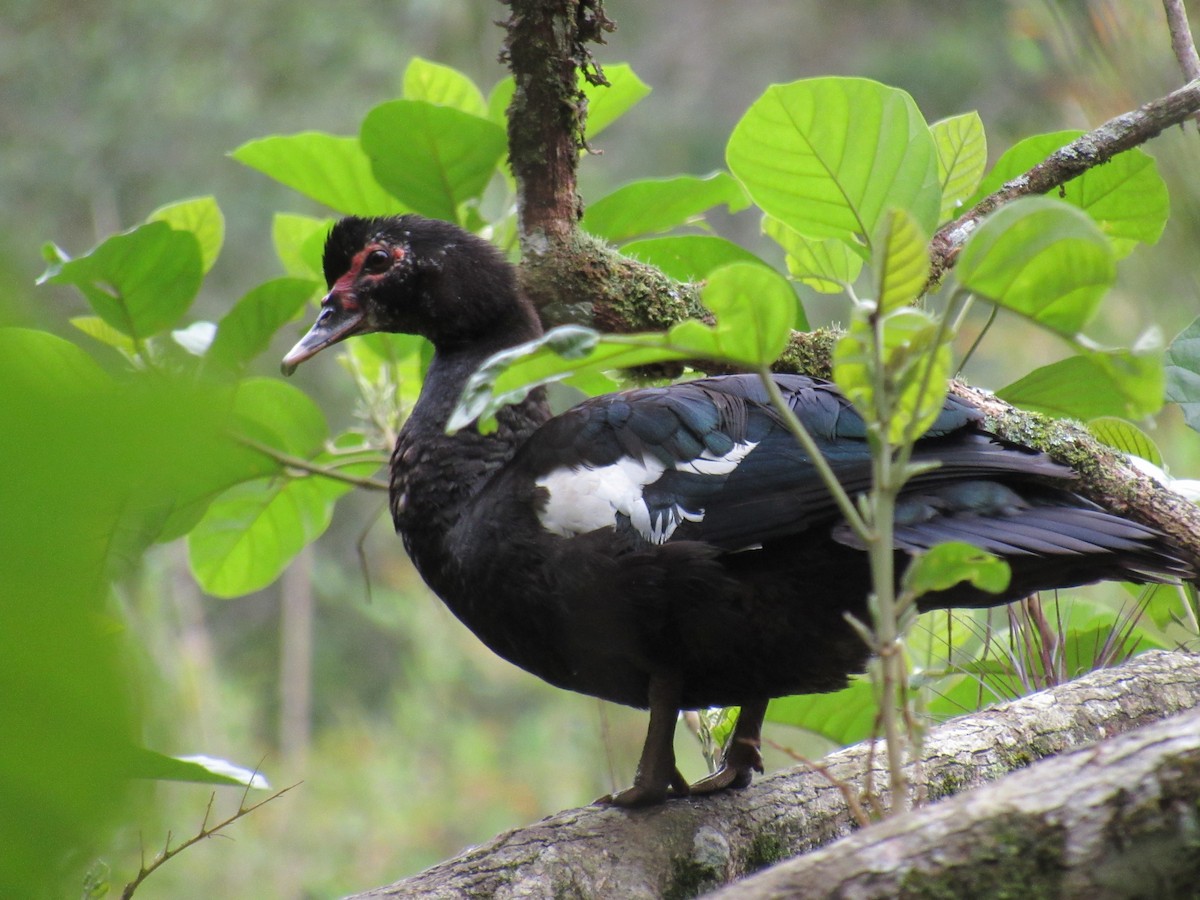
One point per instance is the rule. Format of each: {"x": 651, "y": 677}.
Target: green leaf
{"x": 247, "y": 329}
{"x": 688, "y": 257}
{"x": 202, "y": 217}
{"x": 279, "y": 415}
{"x": 431, "y": 157}
{"x": 910, "y": 345}
{"x": 829, "y": 156}
{"x": 828, "y": 266}
{"x": 945, "y": 565}
{"x": 299, "y": 244}
{"x": 1183, "y": 373}
{"x": 654, "y": 205}
{"x": 251, "y": 532}
{"x": 606, "y": 104}
{"x": 1126, "y": 196}
{"x": 900, "y": 262}
{"x": 1042, "y": 259}
{"x": 96, "y": 328}
{"x": 442, "y": 86}
{"x": 1092, "y": 384}
{"x": 140, "y": 282}
{"x": 499, "y": 99}
{"x": 146, "y": 763}
{"x": 1126, "y": 437}
{"x": 330, "y": 169}
{"x": 755, "y": 310}
{"x": 962, "y": 157}
{"x": 844, "y": 717}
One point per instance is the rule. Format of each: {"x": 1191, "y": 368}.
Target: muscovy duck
{"x": 673, "y": 547}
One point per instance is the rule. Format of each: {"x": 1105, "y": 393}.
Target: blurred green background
{"x": 412, "y": 740}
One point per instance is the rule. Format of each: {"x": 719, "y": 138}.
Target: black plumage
{"x": 674, "y": 547}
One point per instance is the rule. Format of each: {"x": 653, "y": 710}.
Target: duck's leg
{"x": 741, "y": 755}
{"x": 656, "y": 776}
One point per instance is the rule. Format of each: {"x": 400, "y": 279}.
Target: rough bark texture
{"x": 689, "y": 846}
{"x": 1118, "y": 820}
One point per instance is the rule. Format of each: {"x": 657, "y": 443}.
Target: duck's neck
{"x": 433, "y": 473}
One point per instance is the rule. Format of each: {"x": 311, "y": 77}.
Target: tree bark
{"x": 688, "y": 846}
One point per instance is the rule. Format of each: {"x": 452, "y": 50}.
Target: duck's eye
{"x": 377, "y": 261}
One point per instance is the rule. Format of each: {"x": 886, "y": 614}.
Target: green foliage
{"x": 645, "y": 207}
{"x": 1183, "y": 373}
{"x": 962, "y": 157}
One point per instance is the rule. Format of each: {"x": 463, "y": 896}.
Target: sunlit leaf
{"x": 299, "y": 241}
{"x": 1041, "y": 258}
{"x": 916, "y": 366}
{"x": 606, "y": 104}
{"x": 247, "y": 329}
{"x": 945, "y": 565}
{"x": 1126, "y": 437}
{"x": 432, "y": 157}
{"x": 1183, "y": 373}
{"x": 140, "y": 282}
{"x": 330, "y": 169}
{"x": 199, "y": 769}
{"x": 203, "y": 218}
{"x": 653, "y": 205}
{"x": 829, "y": 156}
{"x": 900, "y": 262}
{"x": 96, "y": 328}
{"x": 1126, "y": 196}
{"x": 844, "y": 717}
{"x": 251, "y": 532}
{"x": 279, "y": 415}
{"x": 442, "y": 86}
{"x": 755, "y": 310}
{"x": 962, "y": 157}
{"x": 499, "y": 99}
{"x": 828, "y": 266}
{"x": 1092, "y": 384}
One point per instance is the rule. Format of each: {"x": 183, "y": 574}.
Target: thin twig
{"x": 204, "y": 832}
{"x": 1181, "y": 39}
{"x": 304, "y": 465}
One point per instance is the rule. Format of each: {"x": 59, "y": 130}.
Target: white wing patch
{"x": 583, "y": 499}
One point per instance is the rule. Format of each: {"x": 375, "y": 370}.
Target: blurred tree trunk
{"x": 295, "y": 657}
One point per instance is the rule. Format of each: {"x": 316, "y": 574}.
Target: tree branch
{"x": 689, "y": 845}
{"x": 1098, "y": 146}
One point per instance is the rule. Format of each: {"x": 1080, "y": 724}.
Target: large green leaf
{"x": 247, "y": 329}
{"x": 828, "y": 266}
{"x": 844, "y": 717}
{"x": 251, "y": 532}
{"x": 755, "y": 309}
{"x": 283, "y": 417}
{"x": 432, "y": 157}
{"x": 916, "y": 360}
{"x": 900, "y": 263}
{"x": 962, "y": 156}
{"x": 653, "y": 205}
{"x": 1092, "y": 384}
{"x": 829, "y": 156}
{"x": 140, "y": 282}
{"x": 299, "y": 242}
{"x": 607, "y": 103}
{"x": 1041, "y": 258}
{"x": 1126, "y": 195}
{"x": 202, "y": 217}
{"x": 330, "y": 169}
{"x": 688, "y": 257}
{"x": 1126, "y": 437}
{"x": 1183, "y": 373}
{"x": 442, "y": 86}
{"x": 945, "y": 565}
